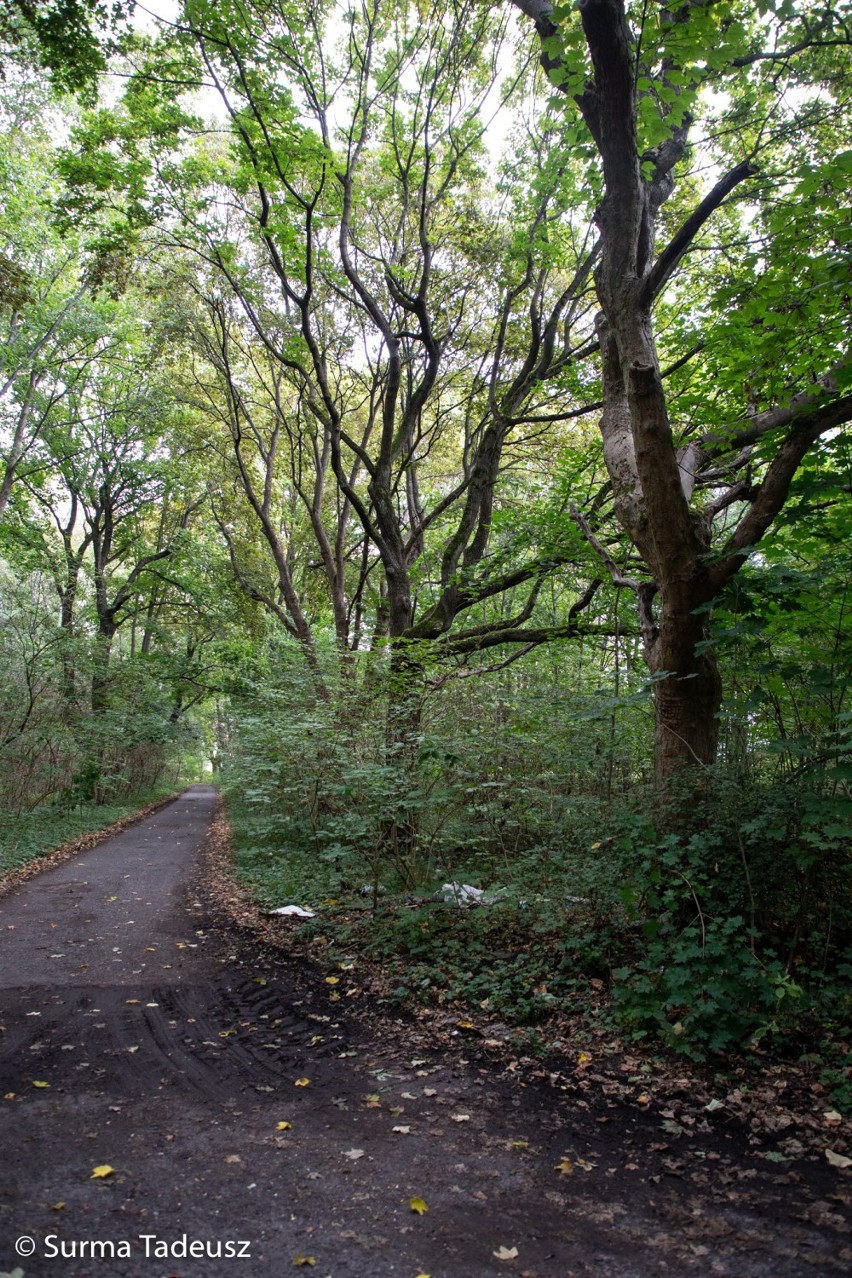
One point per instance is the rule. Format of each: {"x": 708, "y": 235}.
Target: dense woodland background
{"x": 432, "y": 419}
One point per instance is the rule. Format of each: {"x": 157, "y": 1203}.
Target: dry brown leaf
{"x": 506, "y": 1253}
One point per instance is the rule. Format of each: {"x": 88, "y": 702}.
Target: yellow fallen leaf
{"x": 506, "y": 1253}
{"x": 584, "y": 1059}
{"x": 644, "y": 1099}
{"x": 373, "y": 1101}
{"x": 283, "y": 1127}
{"x": 418, "y": 1206}
{"x": 838, "y": 1160}
{"x": 37, "y": 1082}
{"x": 421, "y": 1276}
{"x": 581, "y": 1162}
{"x": 57, "y": 1206}
{"x": 332, "y": 980}
{"x": 260, "y": 980}
{"x": 302, "y": 1082}
{"x": 565, "y": 1167}
{"x": 595, "y": 847}
{"x": 226, "y": 1033}
{"x": 101, "y": 1171}
{"x": 301, "y": 1261}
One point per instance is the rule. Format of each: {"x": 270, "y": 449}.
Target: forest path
{"x": 172, "y": 1051}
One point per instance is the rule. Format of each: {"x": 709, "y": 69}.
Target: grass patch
{"x": 29, "y": 835}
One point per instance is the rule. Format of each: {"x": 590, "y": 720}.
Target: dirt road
{"x": 251, "y": 1128}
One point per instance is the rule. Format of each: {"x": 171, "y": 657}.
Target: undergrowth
{"x": 714, "y": 921}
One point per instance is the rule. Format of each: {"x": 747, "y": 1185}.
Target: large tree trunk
{"x": 687, "y": 695}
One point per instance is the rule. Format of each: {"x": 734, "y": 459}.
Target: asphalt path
{"x": 176, "y": 1104}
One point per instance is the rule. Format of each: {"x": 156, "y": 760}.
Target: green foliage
{"x": 71, "y": 38}
{"x": 718, "y": 920}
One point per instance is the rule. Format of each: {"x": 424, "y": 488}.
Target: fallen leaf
{"x": 403, "y": 1131}
{"x": 429, "y": 1091}
{"x": 713, "y": 1105}
{"x": 418, "y": 1206}
{"x": 565, "y": 1167}
{"x": 301, "y": 1261}
{"x": 233, "y": 1158}
{"x": 644, "y": 1099}
{"x": 37, "y": 1082}
{"x": 584, "y": 1058}
{"x": 832, "y": 1117}
{"x": 260, "y": 980}
{"x": 101, "y": 1171}
{"x": 460, "y": 1118}
{"x": 302, "y": 1082}
{"x": 283, "y": 1127}
{"x": 838, "y": 1160}
{"x": 57, "y": 1207}
{"x": 332, "y": 980}
{"x": 506, "y": 1253}
{"x": 373, "y": 1101}
{"x": 354, "y": 1154}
